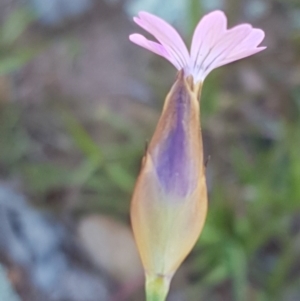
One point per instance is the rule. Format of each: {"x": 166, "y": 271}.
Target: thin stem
{"x": 157, "y": 287}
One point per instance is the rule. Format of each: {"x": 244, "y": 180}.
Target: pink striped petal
{"x": 152, "y": 46}
{"x": 245, "y": 48}
{"x": 220, "y": 50}
{"x": 255, "y": 37}
{"x": 208, "y": 31}
{"x": 221, "y": 46}
{"x": 241, "y": 55}
{"x": 167, "y": 36}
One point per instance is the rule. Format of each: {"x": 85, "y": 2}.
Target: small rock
{"x": 111, "y": 246}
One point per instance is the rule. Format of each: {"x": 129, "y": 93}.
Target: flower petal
{"x": 167, "y": 36}
{"x": 208, "y": 31}
{"x": 239, "y": 42}
{"x": 218, "y": 46}
{"x": 154, "y": 47}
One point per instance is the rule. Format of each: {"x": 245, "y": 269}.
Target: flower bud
{"x": 169, "y": 202}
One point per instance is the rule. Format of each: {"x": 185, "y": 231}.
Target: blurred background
{"x": 78, "y": 101}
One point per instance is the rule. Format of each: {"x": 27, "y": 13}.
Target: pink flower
{"x": 213, "y": 45}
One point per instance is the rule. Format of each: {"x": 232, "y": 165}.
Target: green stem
{"x": 157, "y": 288}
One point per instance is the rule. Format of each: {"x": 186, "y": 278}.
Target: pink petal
{"x": 254, "y": 38}
{"x": 224, "y": 46}
{"x": 238, "y": 42}
{"x": 208, "y": 31}
{"x": 152, "y": 46}
{"x": 237, "y": 57}
{"x": 167, "y": 36}
{"x": 214, "y": 46}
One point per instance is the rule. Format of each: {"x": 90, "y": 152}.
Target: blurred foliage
{"x": 13, "y": 57}
{"x": 250, "y": 246}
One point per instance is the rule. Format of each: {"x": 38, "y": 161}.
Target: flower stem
{"x": 157, "y": 287}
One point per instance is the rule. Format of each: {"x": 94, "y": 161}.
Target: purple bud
{"x": 173, "y": 163}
